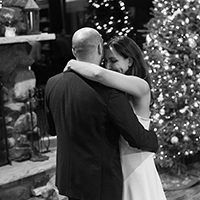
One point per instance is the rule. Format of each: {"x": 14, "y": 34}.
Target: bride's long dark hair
{"x": 127, "y": 48}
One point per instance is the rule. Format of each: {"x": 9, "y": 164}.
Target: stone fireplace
{"x": 22, "y": 117}
{"x": 23, "y": 130}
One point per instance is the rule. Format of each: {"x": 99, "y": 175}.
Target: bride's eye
{"x": 113, "y": 61}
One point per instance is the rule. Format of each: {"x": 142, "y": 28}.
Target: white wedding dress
{"x": 141, "y": 179}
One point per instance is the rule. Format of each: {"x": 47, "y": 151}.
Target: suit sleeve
{"x": 50, "y": 121}
{"x": 122, "y": 116}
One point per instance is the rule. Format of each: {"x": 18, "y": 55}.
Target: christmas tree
{"x": 109, "y": 17}
{"x": 172, "y": 49}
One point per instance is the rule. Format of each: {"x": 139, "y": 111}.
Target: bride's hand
{"x": 68, "y": 66}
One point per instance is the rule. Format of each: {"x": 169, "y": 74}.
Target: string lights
{"x": 116, "y": 20}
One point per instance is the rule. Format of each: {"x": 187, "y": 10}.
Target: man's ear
{"x": 100, "y": 49}
{"x": 74, "y": 53}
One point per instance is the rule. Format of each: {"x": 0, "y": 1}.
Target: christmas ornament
{"x": 174, "y": 140}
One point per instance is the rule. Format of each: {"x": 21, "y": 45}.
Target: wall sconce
{"x": 31, "y": 14}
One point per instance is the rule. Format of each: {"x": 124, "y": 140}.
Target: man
{"x": 88, "y": 118}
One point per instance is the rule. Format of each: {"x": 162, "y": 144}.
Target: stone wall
{"x": 18, "y": 82}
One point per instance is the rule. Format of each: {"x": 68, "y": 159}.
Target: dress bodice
{"x": 144, "y": 121}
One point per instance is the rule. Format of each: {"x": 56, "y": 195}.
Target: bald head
{"x": 85, "y": 43}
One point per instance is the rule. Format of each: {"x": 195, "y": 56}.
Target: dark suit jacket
{"x": 87, "y": 118}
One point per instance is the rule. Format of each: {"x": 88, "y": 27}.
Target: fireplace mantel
{"x": 27, "y": 38}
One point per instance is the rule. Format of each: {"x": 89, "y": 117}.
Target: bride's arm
{"x": 130, "y": 84}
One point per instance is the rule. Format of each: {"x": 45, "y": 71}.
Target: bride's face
{"x": 116, "y": 62}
